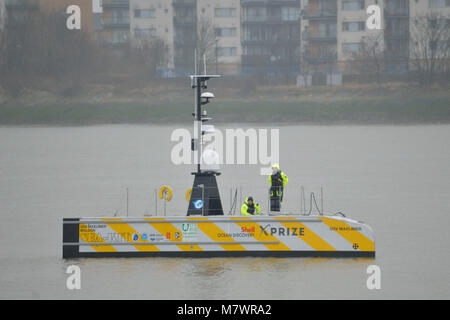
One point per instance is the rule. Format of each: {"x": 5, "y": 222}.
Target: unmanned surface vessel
{"x": 206, "y": 232}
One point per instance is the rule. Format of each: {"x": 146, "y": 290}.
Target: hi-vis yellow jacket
{"x": 245, "y": 209}
{"x": 284, "y": 178}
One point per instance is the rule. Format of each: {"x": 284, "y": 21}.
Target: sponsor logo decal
{"x": 198, "y": 204}
{"x": 248, "y": 230}
{"x": 282, "y": 231}
{"x": 189, "y": 231}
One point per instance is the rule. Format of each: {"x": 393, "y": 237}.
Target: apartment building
{"x": 397, "y": 34}
{"x": 333, "y": 30}
{"x": 431, "y": 9}
{"x": 319, "y": 33}
{"x": 185, "y": 35}
{"x": 351, "y": 28}
{"x": 153, "y": 19}
{"x": 224, "y": 18}
{"x": 270, "y": 35}
{"x": 116, "y": 23}
{"x": 180, "y": 24}
{"x": 249, "y": 35}
{"x": 273, "y": 36}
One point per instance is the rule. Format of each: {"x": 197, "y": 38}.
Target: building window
{"x": 353, "y": 26}
{"x": 225, "y": 32}
{"x": 119, "y": 16}
{"x": 224, "y": 12}
{"x": 437, "y": 4}
{"x": 349, "y": 48}
{"x": 144, "y": 13}
{"x": 326, "y": 30}
{"x": 256, "y": 51}
{"x": 255, "y": 14}
{"x": 290, "y": 13}
{"x": 352, "y": 5}
{"x": 144, "y": 33}
{"x": 227, "y": 52}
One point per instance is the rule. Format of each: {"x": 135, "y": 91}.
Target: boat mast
{"x": 205, "y": 197}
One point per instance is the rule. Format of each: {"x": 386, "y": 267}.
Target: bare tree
{"x": 430, "y": 46}
{"x": 37, "y": 44}
{"x": 328, "y": 54}
{"x": 40, "y": 44}
{"x": 154, "y": 52}
{"x": 305, "y": 68}
{"x": 206, "y": 42}
{"x": 369, "y": 60}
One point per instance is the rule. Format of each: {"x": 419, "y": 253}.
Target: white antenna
{"x": 204, "y": 63}
{"x": 195, "y": 62}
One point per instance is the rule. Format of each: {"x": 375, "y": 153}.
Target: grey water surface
{"x": 394, "y": 178}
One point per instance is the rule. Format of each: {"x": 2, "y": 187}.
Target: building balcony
{"x": 396, "y": 12}
{"x": 185, "y": 21}
{"x": 278, "y": 19}
{"x": 248, "y": 3}
{"x": 271, "y": 42}
{"x": 116, "y": 4}
{"x": 315, "y": 59}
{"x": 117, "y": 23}
{"x": 311, "y": 14}
{"x": 184, "y": 3}
{"x": 320, "y": 36}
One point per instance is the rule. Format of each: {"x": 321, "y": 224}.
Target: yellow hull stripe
{"x": 312, "y": 239}
{"x": 124, "y": 228}
{"x": 88, "y": 235}
{"x": 353, "y": 236}
{"x": 213, "y": 231}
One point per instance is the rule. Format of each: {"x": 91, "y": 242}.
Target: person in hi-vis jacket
{"x": 277, "y": 181}
{"x": 249, "y": 208}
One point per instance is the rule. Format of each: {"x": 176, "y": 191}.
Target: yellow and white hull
{"x": 217, "y": 236}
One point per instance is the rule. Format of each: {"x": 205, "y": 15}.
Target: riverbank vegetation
{"x": 284, "y": 104}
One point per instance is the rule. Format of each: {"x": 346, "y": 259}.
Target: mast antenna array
{"x": 205, "y": 192}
